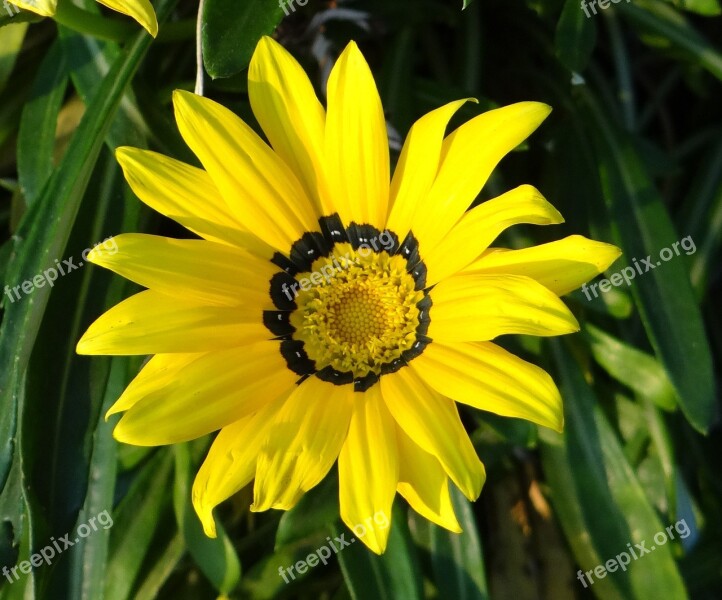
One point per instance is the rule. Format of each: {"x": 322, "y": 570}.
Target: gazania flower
{"x": 141, "y": 10}
{"x": 329, "y": 313}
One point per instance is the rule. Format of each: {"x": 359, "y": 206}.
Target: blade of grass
{"x": 663, "y": 292}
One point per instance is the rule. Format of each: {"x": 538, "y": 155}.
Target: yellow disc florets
{"x": 356, "y": 311}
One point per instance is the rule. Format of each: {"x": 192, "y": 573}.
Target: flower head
{"x": 141, "y": 10}
{"x": 331, "y": 312}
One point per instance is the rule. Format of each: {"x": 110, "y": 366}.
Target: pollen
{"x": 362, "y": 316}
{"x": 359, "y": 314}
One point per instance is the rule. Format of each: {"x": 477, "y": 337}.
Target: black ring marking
{"x": 296, "y": 357}
{"x": 277, "y": 322}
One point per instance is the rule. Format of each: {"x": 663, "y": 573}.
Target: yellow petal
{"x": 197, "y": 270}
{"x": 286, "y": 107}
{"x": 211, "y": 392}
{"x": 158, "y": 372}
{"x": 255, "y": 182}
{"x": 487, "y": 377}
{"x": 478, "y": 308}
{"x": 46, "y": 8}
{"x": 560, "y": 266}
{"x": 187, "y": 195}
{"x": 424, "y": 484}
{"x": 302, "y": 444}
{"x": 153, "y": 323}
{"x": 368, "y": 471}
{"x": 418, "y": 165}
{"x": 433, "y": 422}
{"x": 141, "y": 10}
{"x": 231, "y": 463}
{"x": 357, "y": 147}
{"x": 469, "y": 155}
{"x": 482, "y": 224}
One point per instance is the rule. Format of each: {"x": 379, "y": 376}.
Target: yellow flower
{"x": 141, "y": 10}
{"x": 329, "y": 313}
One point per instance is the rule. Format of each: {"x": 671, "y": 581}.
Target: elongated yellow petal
{"x": 197, "y": 270}
{"x": 424, "y": 484}
{"x": 481, "y": 225}
{"x": 141, "y": 10}
{"x": 357, "y": 147}
{"x": 560, "y": 266}
{"x": 433, "y": 422}
{"x": 187, "y": 195}
{"x": 255, "y": 182}
{"x": 418, "y": 165}
{"x": 211, "y": 392}
{"x": 469, "y": 156}
{"x": 158, "y": 372}
{"x": 487, "y": 377}
{"x": 368, "y": 470}
{"x": 286, "y": 107}
{"x": 153, "y": 323}
{"x": 46, "y": 8}
{"x": 302, "y": 444}
{"x": 231, "y": 462}
{"x": 478, "y": 308}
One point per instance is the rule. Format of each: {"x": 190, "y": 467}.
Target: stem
{"x": 199, "y": 49}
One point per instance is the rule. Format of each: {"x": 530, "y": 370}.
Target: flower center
{"x": 344, "y": 312}
{"x": 357, "y": 314}
{"x": 356, "y": 311}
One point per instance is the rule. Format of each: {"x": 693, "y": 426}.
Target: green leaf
{"x": 216, "y": 557}
{"x": 42, "y": 241}
{"x": 11, "y": 41}
{"x": 70, "y": 391}
{"x": 576, "y": 36}
{"x": 23, "y": 587}
{"x": 36, "y": 139}
{"x": 136, "y": 521}
{"x": 313, "y": 513}
{"x": 91, "y": 555}
{"x": 89, "y": 61}
{"x": 23, "y": 17}
{"x": 394, "y": 574}
{"x": 6, "y": 251}
{"x": 662, "y": 20}
{"x": 704, "y": 217}
{"x": 708, "y": 8}
{"x": 458, "y": 559}
{"x": 42, "y": 238}
{"x": 663, "y": 294}
{"x": 166, "y": 563}
{"x": 231, "y": 30}
{"x": 634, "y": 368}
{"x": 600, "y": 503}
{"x": 274, "y": 573}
